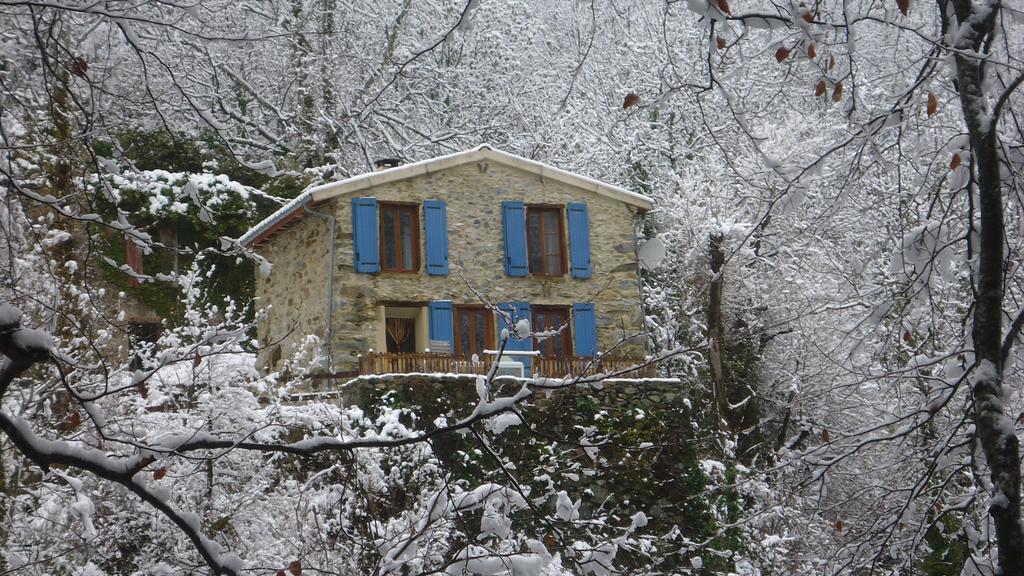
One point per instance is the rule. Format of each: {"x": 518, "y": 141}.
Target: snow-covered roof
{"x": 295, "y": 209}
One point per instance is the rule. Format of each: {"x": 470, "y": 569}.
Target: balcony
{"x": 543, "y": 366}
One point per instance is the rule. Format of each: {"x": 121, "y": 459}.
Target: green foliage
{"x": 741, "y": 365}
{"x": 157, "y": 201}
{"x": 646, "y": 456}
{"x": 947, "y": 550}
{"x": 159, "y": 150}
{"x": 162, "y": 298}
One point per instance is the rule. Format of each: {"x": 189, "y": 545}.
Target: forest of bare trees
{"x": 838, "y": 186}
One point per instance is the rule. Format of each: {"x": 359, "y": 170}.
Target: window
{"x": 133, "y": 258}
{"x": 535, "y": 239}
{"x": 474, "y": 330}
{"x": 401, "y": 334}
{"x": 544, "y": 240}
{"x": 401, "y": 327}
{"x": 399, "y": 237}
{"x": 550, "y": 318}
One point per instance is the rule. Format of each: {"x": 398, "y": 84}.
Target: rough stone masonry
{"x": 295, "y": 291}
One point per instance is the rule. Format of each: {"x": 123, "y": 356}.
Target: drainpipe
{"x": 638, "y": 222}
{"x": 330, "y": 284}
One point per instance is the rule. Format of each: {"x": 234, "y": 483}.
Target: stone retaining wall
{"x": 646, "y": 460}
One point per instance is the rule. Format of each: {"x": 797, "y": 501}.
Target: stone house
{"x": 420, "y": 267}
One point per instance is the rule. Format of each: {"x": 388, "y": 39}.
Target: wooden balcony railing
{"x": 547, "y": 366}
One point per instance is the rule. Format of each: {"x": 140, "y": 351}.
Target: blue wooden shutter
{"x": 442, "y": 324}
{"x": 584, "y": 329}
{"x": 435, "y": 221}
{"x": 364, "y": 235}
{"x": 513, "y": 222}
{"x": 518, "y": 311}
{"x": 579, "y": 240}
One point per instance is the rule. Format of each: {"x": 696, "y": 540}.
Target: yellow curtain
{"x": 399, "y": 328}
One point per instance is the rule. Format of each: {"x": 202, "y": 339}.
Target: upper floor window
{"x": 386, "y": 236}
{"x": 535, "y": 239}
{"x": 399, "y": 237}
{"x": 545, "y": 240}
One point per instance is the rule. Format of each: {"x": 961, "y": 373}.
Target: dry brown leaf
{"x": 933, "y": 104}
{"x": 280, "y": 573}
{"x": 955, "y": 162}
{"x": 819, "y": 90}
{"x": 904, "y": 6}
{"x": 631, "y": 100}
{"x": 807, "y": 16}
{"x": 723, "y": 5}
{"x": 75, "y": 420}
{"x": 159, "y": 473}
{"x": 197, "y": 360}
{"x": 825, "y": 436}
{"x": 837, "y": 92}
{"x": 143, "y": 390}
{"x": 79, "y": 67}
{"x": 781, "y": 54}
{"x": 720, "y": 42}
{"x": 295, "y": 567}
{"x": 831, "y": 63}
{"x": 812, "y": 52}
{"x": 839, "y": 525}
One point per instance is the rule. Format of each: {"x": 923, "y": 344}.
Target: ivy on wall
{"x": 186, "y": 194}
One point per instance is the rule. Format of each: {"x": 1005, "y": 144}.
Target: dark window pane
{"x": 464, "y": 334}
{"x": 533, "y": 232}
{"x": 544, "y": 240}
{"x": 399, "y": 225}
{"x": 475, "y": 331}
{"x": 388, "y": 237}
{"x": 556, "y": 343}
{"x": 549, "y": 319}
{"x": 480, "y": 332}
{"x": 406, "y": 240}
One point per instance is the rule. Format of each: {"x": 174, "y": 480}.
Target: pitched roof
{"x": 295, "y": 209}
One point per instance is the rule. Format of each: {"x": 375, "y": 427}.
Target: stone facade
{"x": 296, "y": 288}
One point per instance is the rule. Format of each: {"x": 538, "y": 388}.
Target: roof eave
{"x": 483, "y": 152}
{"x": 317, "y": 194}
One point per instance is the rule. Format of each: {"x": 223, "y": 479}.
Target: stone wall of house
{"x": 294, "y": 294}
{"x": 474, "y": 193}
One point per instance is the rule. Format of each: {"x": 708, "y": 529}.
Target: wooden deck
{"x": 551, "y": 367}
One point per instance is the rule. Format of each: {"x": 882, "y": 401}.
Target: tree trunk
{"x": 995, "y": 431}
{"x": 715, "y": 330}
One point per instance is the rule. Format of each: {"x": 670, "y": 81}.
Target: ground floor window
{"x": 550, "y": 319}
{"x": 474, "y": 330}
{"x": 401, "y": 328}
{"x": 401, "y": 334}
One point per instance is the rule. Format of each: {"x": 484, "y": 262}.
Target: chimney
{"x": 386, "y": 163}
